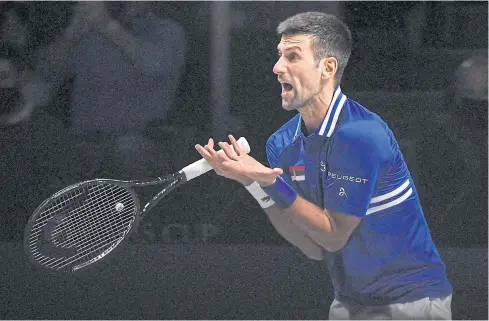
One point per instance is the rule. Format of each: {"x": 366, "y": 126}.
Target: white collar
{"x": 334, "y": 110}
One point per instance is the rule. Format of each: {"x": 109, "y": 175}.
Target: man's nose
{"x": 279, "y": 67}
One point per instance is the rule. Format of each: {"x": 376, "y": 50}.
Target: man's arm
{"x": 289, "y": 230}
{"x": 328, "y": 229}
{"x": 303, "y": 224}
{"x": 304, "y": 221}
{"x": 232, "y": 169}
{"x": 358, "y": 150}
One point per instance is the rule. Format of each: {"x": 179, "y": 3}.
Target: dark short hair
{"x": 331, "y": 37}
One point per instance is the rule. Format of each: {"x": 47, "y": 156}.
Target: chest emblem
{"x": 297, "y": 173}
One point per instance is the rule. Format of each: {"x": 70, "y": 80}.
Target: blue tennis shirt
{"x": 352, "y": 164}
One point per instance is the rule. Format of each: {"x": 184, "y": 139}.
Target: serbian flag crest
{"x": 297, "y": 172}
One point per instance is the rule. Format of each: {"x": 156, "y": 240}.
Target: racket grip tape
{"x": 202, "y": 166}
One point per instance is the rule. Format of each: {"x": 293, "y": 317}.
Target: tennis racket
{"x": 84, "y": 222}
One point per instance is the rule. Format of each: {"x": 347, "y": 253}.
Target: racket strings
{"x": 87, "y": 254}
{"x": 93, "y": 204}
{"x": 86, "y": 218}
{"x": 77, "y": 232}
{"x": 96, "y": 250}
{"x": 74, "y": 223}
{"x": 69, "y": 200}
{"x": 107, "y": 240}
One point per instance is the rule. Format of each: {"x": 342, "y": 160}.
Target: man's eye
{"x": 292, "y": 57}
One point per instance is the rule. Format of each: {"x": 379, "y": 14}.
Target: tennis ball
{"x": 119, "y": 207}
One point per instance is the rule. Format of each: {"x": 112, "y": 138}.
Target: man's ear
{"x": 329, "y": 67}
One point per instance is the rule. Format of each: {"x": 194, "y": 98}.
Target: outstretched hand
{"x": 236, "y": 164}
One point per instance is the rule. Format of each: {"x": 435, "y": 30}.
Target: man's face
{"x": 298, "y": 71}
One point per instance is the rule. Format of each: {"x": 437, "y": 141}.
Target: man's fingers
{"x": 210, "y": 143}
{"x": 228, "y": 150}
{"x": 266, "y": 176}
{"x": 210, "y": 147}
{"x": 210, "y": 155}
{"x": 278, "y": 171}
{"x": 236, "y": 146}
{"x": 203, "y": 152}
{"x": 272, "y": 172}
{"x": 222, "y": 157}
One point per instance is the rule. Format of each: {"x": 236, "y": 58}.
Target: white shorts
{"x": 424, "y": 309}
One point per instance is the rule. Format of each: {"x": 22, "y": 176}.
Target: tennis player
{"x": 338, "y": 187}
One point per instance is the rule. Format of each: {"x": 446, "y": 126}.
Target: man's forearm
{"x": 329, "y": 230}
{"x": 300, "y": 222}
{"x": 292, "y": 233}
{"x": 318, "y": 224}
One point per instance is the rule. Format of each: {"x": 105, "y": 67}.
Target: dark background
{"x": 413, "y": 63}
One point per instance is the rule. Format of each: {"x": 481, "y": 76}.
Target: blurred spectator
{"x": 454, "y": 157}
{"x": 471, "y": 79}
{"x": 78, "y": 104}
{"x": 126, "y": 68}
{"x": 123, "y": 65}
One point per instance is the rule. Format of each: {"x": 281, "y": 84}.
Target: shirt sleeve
{"x": 357, "y": 156}
{"x": 272, "y": 154}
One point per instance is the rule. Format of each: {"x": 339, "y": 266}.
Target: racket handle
{"x": 202, "y": 166}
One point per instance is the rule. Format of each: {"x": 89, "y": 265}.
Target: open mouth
{"x": 287, "y": 87}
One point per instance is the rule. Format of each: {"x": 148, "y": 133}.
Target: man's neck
{"x": 314, "y": 113}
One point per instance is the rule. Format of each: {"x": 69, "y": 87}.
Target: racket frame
{"x": 174, "y": 181}
{"x": 184, "y": 175}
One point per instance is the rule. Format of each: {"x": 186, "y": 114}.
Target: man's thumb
{"x": 278, "y": 171}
